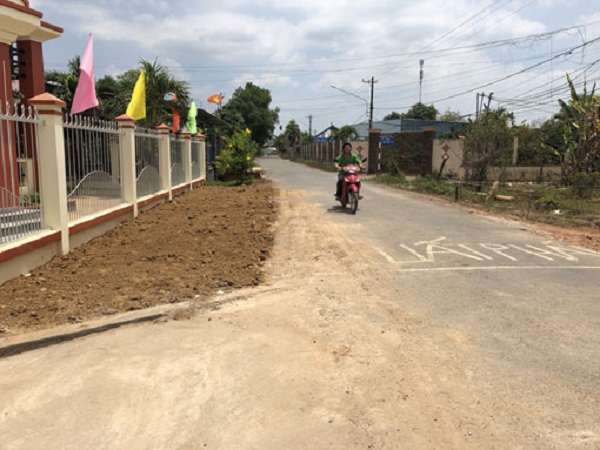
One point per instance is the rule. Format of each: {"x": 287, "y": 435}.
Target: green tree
{"x": 62, "y": 84}
{"x": 158, "y": 84}
{"x": 249, "y": 108}
{"x": 292, "y": 133}
{"x": 108, "y": 92}
{"x": 581, "y": 133}
{"x": 552, "y": 141}
{"x": 489, "y": 142}
{"x": 305, "y": 138}
{"x": 421, "y": 111}
{"x": 393, "y": 116}
{"x": 345, "y": 133}
{"x": 115, "y": 94}
{"x": 451, "y": 116}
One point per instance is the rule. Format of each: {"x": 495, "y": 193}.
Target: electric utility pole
{"x": 309, "y": 117}
{"x": 421, "y": 63}
{"x": 479, "y": 107}
{"x": 372, "y": 82}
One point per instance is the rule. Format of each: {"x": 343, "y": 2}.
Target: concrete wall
{"x": 454, "y": 149}
{"x": 454, "y": 169}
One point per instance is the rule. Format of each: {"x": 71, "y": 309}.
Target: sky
{"x": 318, "y": 58}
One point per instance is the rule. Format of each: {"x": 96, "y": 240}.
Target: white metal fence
{"x": 177, "y": 170}
{"x": 196, "y": 159}
{"x": 21, "y": 208}
{"x": 147, "y": 162}
{"x": 65, "y": 180}
{"x": 92, "y": 165}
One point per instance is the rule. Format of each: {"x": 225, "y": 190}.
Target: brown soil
{"x": 210, "y": 239}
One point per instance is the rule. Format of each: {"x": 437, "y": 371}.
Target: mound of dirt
{"x": 210, "y": 239}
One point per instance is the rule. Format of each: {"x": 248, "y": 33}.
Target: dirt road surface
{"x": 321, "y": 355}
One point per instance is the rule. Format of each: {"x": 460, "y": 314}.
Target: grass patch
{"x": 536, "y": 202}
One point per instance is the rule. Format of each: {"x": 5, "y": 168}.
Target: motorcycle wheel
{"x": 353, "y": 197}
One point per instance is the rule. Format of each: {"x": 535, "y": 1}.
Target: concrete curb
{"x": 20, "y": 343}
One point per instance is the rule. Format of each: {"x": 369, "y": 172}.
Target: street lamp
{"x": 356, "y": 96}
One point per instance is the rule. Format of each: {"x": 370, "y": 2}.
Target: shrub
{"x": 237, "y": 158}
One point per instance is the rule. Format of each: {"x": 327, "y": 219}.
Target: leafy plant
{"x": 237, "y": 158}
{"x": 489, "y": 143}
{"x": 581, "y": 132}
{"x": 430, "y": 185}
{"x": 28, "y": 200}
{"x": 548, "y": 201}
{"x": 585, "y": 184}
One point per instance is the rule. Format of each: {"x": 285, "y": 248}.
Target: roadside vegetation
{"x": 568, "y": 206}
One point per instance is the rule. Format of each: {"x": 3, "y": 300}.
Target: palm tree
{"x": 345, "y": 133}
{"x": 293, "y": 134}
{"x": 158, "y": 84}
{"x": 62, "y": 84}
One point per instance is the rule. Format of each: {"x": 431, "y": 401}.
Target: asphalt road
{"x": 529, "y": 305}
{"x": 410, "y": 325}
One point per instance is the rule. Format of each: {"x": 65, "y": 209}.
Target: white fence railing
{"x": 147, "y": 162}
{"x": 177, "y": 169}
{"x": 20, "y": 203}
{"x": 92, "y": 166}
{"x": 60, "y": 175}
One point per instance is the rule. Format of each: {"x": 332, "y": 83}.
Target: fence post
{"x": 186, "y": 157}
{"x": 202, "y": 155}
{"x": 127, "y": 161}
{"x": 164, "y": 160}
{"x": 53, "y": 179}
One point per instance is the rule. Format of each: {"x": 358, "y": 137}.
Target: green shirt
{"x": 344, "y": 160}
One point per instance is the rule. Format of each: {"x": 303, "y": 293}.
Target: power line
{"x": 520, "y": 71}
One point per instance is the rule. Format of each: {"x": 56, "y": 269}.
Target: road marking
{"x": 435, "y": 250}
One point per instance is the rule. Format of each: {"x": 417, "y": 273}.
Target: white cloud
{"x": 298, "y": 49}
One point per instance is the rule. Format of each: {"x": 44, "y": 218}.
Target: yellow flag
{"x": 137, "y": 105}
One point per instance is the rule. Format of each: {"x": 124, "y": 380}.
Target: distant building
{"x": 390, "y": 127}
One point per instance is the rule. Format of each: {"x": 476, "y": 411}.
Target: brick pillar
{"x": 374, "y": 150}
{"x": 32, "y": 58}
{"x": 8, "y": 150}
{"x": 5, "y": 75}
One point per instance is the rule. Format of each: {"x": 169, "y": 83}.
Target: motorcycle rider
{"x": 344, "y": 159}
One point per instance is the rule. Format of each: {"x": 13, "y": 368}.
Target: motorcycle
{"x": 351, "y": 187}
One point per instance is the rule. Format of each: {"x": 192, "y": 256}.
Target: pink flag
{"x": 85, "y": 93}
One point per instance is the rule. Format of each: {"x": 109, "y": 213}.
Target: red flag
{"x": 215, "y": 98}
{"x": 85, "y": 92}
{"x": 176, "y": 117}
